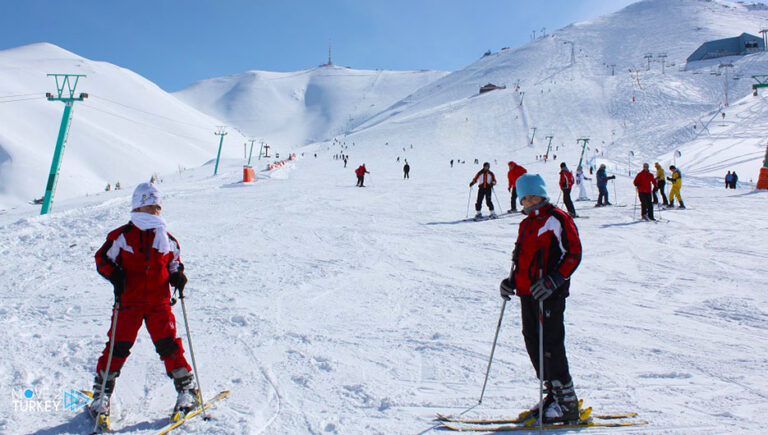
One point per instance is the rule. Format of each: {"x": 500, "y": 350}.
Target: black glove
{"x": 471, "y": 184}
{"x": 669, "y": 179}
{"x": 612, "y": 177}
{"x": 178, "y": 280}
{"x": 117, "y": 278}
{"x": 507, "y": 288}
{"x": 544, "y": 287}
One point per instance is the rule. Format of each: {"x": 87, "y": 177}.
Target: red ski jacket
{"x": 360, "y": 171}
{"x": 146, "y": 268}
{"x": 514, "y": 173}
{"x": 547, "y": 241}
{"x": 566, "y": 179}
{"x": 485, "y": 178}
{"x": 645, "y": 181}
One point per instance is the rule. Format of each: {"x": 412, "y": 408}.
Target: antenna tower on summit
{"x": 329, "y": 53}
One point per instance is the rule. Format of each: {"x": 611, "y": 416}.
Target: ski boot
{"x": 681, "y": 205}
{"x": 98, "y": 409}
{"x": 478, "y": 216}
{"x": 184, "y": 381}
{"x": 533, "y": 413}
{"x": 493, "y": 215}
{"x": 565, "y": 407}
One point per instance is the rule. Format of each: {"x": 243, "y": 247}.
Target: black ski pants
{"x": 660, "y": 189}
{"x": 555, "y": 361}
{"x": 360, "y": 180}
{"x": 646, "y": 204}
{"x": 602, "y": 196}
{"x": 484, "y": 192}
{"x": 567, "y": 201}
{"x": 514, "y": 198}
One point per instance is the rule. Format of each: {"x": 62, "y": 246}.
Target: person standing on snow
{"x": 734, "y": 180}
{"x": 602, "y": 186}
{"x": 141, "y": 259}
{"x": 486, "y": 181}
{"x": 406, "y": 170}
{"x": 645, "y": 182}
{"x": 360, "y": 172}
{"x": 660, "y": 182}
{"x": 580, "y": 177}
{"x": 677, "y": 182}
{"x": 566, "y": 183}
{"x": 515, "y": 171}
{"x": 546, "y": 254}
{"x": 728, "y": 180}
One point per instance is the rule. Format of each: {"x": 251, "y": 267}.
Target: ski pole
{"x": 541, "y": 359}
{"x": 634, "y": 210}
{"x": 658, "y": 205}
{"x": 192, "y": 353}
{"x": 493, "y": 349}
{"x": 615, "y": 197}
{"x": 469, "y": 198}
{"x": 558, "y": 198}
{"x": 497, "y": 199}
{"x": 116, "y": 309}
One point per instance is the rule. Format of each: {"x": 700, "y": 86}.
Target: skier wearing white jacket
{"x": 580, "y": 177}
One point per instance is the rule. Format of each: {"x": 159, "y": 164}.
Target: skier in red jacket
{"x": 566, "y": 184}
{"x": 645, "y": 182}
{"x": 515, "y": 171}
{"x": 360, "y": 172}
{"x": 485, "y": 180}
{"x": 141, "y": 259}
{"x": 546, "y": 254}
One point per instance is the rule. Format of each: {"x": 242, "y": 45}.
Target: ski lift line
{"x": 148, "y": 113}
{"x": 22, "y": 95}
{"x": 140, "y": 122}
{"x": 22, "y": 99}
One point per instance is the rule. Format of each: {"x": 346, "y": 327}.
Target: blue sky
{"x": 175, "y": 43}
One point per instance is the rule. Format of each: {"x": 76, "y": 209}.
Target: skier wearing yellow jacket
{"x": 677, "y": 181}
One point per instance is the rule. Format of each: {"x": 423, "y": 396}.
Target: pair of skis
{"x": 177, "y": 420}
{"x": 525, "y": 422}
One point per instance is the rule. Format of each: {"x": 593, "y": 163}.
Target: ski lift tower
{"x": 65, "y": 92}
{"x": 222, "y": 131}
{"x": 725, "y": 66}
{"x": 765, "y": 38}
{"x": 585, "y": 141}
{"x": 549, "y": 146}
{"x": 762, "y": 180}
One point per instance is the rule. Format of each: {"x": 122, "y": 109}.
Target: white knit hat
{"x": 145, "y": 194}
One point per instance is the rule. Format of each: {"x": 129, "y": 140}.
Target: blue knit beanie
{"x": 531, "y": 184}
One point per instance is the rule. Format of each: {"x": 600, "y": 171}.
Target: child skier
{"x": 546, "y": 254}
{"x": 141, "y": 259}
{"x": 677, "y": 182}
{"x": 487, "y": 180}
{"x": 580, "y": 177}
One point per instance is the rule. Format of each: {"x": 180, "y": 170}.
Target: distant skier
{"x": 580, "y": 177}
{"x": 660, "y": 183}
{"x": 345, "y": 161}
{"x": 734, "y": 180}
{"x": 515, "y": 172}
{"x": 728, "y": 180}
{"x": 602, "y": 186}
{"x": 645, "y": 182}
{"x": 566, "y": 184}
{"x": 406, "y": 170}
{"x": 677, "y": 182}
{"x": 451, "y": 162}
{"x": 486, "y": 181}
{"x": 360, "y": 172}
{"x": 546, "y": 254}
{"x": 141, "y": 259}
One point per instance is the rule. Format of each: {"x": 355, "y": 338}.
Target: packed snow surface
{"x": 328, "y": 308}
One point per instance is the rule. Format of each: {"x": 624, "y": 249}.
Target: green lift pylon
{"x": 583, "y": 148}
{"x": 549, "y": 146}
{"x": 221, "y": 133}
{"x": 65, "y": 88}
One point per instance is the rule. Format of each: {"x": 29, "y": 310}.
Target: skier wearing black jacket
{"x": 547, "y": 252}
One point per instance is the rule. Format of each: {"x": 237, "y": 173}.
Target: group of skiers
{"x": 731, "y": 179}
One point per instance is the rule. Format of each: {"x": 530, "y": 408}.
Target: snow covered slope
{"x": 295, "y": 108}
{"x": 125, "y": 131}
{"x": 648, "y": 112}
{"x": 332, "y": 309}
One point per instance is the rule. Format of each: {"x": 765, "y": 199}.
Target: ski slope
{"x": 327, "y": 308}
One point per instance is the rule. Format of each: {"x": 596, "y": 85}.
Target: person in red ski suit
{"x": 515, "y": 171}
{"x": 566, "y": 184}
{"x": 546, "y": 254}
{"x": 141, "y": 261}
{"x": 645, "y": 182}
{"x": 360, "y": 172}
